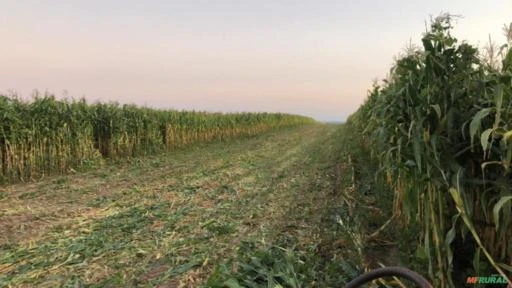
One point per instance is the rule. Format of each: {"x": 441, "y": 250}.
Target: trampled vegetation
{"x": 182, "y": 219}
{"x": 48, "y": 136}
{"x": 440, "y": 128}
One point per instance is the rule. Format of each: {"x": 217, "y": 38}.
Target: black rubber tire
{"x": 389, "y": 272}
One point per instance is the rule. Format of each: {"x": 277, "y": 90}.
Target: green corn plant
{"x": 48, "y": 136}
{"x": 440, "y": 123}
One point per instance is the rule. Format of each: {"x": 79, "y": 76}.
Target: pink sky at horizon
{"x": 302, "y": 57}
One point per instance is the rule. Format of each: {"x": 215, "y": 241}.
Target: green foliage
{"x": 442, "y": 122}
{"x": 49, "y": 136}
{"x": 273, "y": 266}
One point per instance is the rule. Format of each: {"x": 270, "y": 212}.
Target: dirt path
{"x": 165, "y": 220}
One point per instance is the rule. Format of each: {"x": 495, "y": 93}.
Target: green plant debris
{"x": 175, "y": 218}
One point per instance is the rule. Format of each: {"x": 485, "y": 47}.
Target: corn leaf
{"x": 497, "y": 208}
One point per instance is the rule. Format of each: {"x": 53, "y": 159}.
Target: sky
{"x": 314, "y": 58}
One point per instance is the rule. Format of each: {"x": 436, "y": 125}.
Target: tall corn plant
{"x": 440, "y": 129}
{"x": 47, "y": 136}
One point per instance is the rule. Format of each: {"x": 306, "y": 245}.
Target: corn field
{"x": 440, "y": 127}
{"x": 48, "y": 136}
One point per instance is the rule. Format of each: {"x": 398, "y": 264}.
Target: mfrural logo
{"x": 493, "y": 279}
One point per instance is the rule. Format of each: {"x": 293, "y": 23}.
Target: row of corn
{"x": 49, "y": 136}
{"x": 440, "y": 127}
